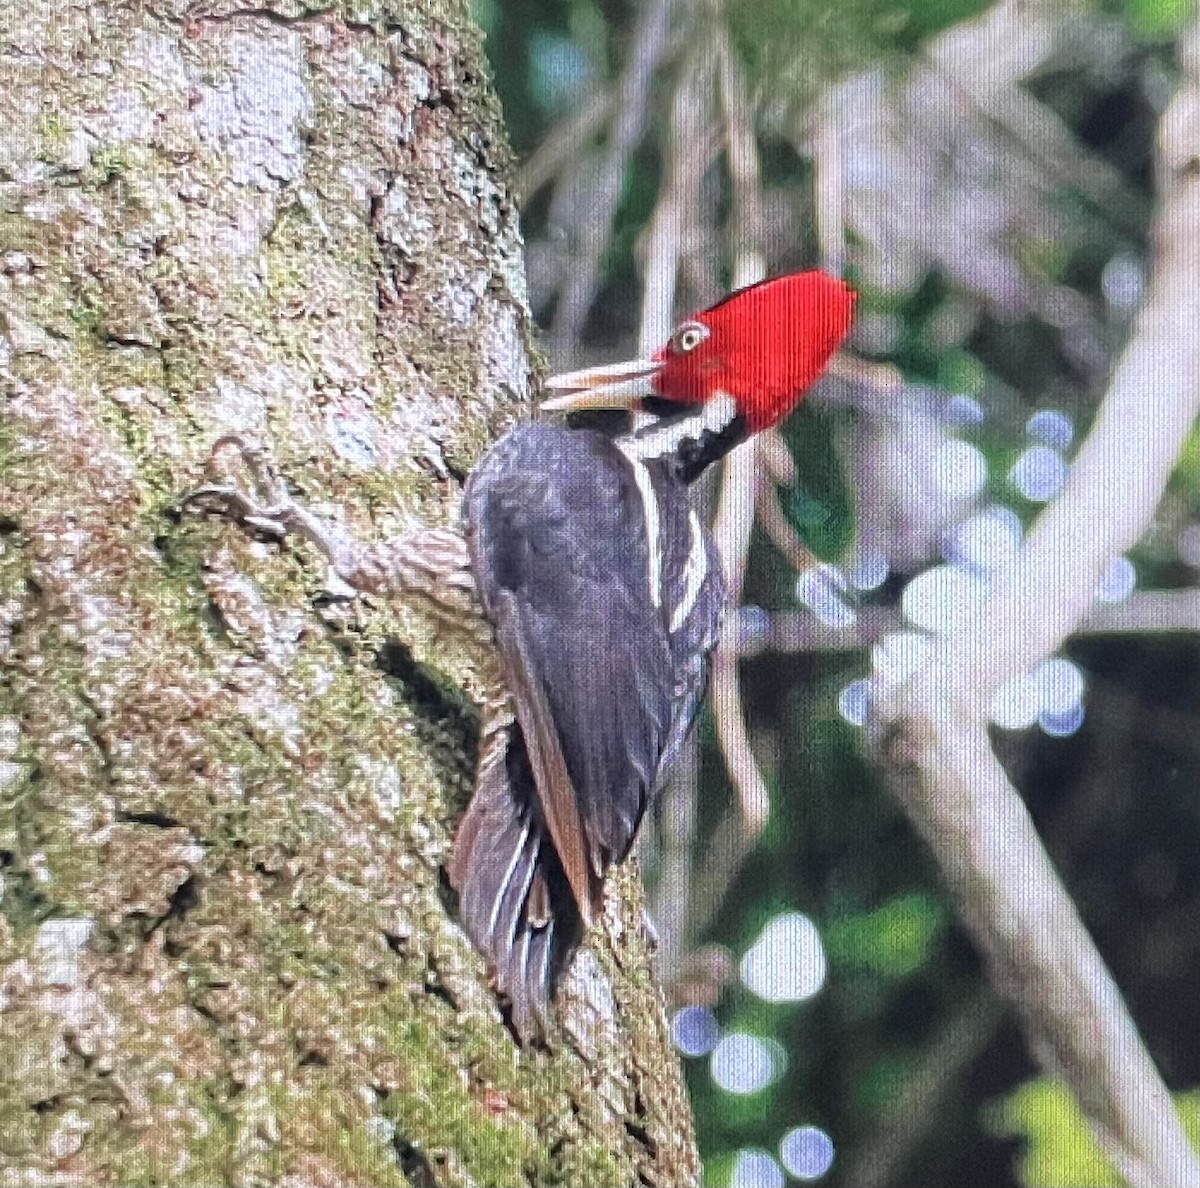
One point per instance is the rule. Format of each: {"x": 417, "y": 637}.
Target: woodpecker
{"x": 600, "y": 594}
{"x": 605, "y": 593}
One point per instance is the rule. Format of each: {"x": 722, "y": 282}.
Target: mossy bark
{"x": 225, "y": 800}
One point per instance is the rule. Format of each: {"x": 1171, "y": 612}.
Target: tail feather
{"x": 515, "y": 902}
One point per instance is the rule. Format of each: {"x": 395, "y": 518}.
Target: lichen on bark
{"x": 224, "y": 803}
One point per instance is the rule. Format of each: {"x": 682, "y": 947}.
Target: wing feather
{"x": 556, "y": 791}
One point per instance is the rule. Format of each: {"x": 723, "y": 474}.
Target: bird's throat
{"x": 687, "y": 441}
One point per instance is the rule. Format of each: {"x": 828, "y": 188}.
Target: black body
{"x": 606, "y": 594}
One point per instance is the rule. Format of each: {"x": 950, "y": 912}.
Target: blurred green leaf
{"x": 1185, "y": 478}
{"x": 961, "y": 371}
{"x": 821, "y": 506}
{"x": 893, "y": 940}
{"x": 1061, "y": 1152}
{"x": 1158, "y": 19}
{"x": 885, "y": 1080}
{"x": 718, "y": 1169}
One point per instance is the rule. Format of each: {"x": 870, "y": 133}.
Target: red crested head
{"x": 762, "y": 346}
{"x": 726, "y": 373}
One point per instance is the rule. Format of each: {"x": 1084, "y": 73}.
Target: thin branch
{"x": 685, "y": 163}
{"x": 1149, "y": 611}
{"x": 934, "y": 739}
{"x": 561, "y": 145}
{"x": 790, "y": 632}
{"x": 829, "y": 199}
{"x": 782, "y": 535}
{"x": 741, "y": 150}
{"x": 989, "y": 60}
{"x": 735, "y": 837}
{"x": 689, "y": 152}
{"x": 630, "y": 112}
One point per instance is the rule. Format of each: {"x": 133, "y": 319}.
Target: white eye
{"x": 689, "y": 336}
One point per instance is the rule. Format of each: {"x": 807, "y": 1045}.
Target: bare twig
{"x": 737, "y": 833}
{"x": 933, "y": 736}
{"x": 775, "y": 524}
{"x": 562, "y": 142}
{"x": 734, "y": 838}
{"x": 741, "y": 149}
{"x": 630, "y": 113}
{"x": 988, "y": 60}
{"x": 1147, "y": 612}
{"x": 689, "y": 152}
{"x": 684, "y": 165}
{"x": 829, "y": 202}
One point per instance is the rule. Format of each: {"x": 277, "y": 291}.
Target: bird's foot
{"x": 431, "y": 564}
{"x": 265, "y": 505}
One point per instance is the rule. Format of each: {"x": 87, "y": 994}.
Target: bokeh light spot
{"x": 987, "y": 541}
{"x": 1038, "y": 473}
{"x": 962, "y": 412}
{"x": 1060, "y": 685}
{"x": 870, "y": 569}
{"x": 821, "y": 589}
{"x": 807, "y": 1152}
{"x": 942, "y": 599}
{"x": 1052, "y": 427}
{"x": 695, "y": 1030}
{"x": 960, "y": 469}
{"x": 898, "y": 655}
{"x": 1118, "y": 581}
{"x": 1061, "y": 723}
{"x": 1017, "y": 703}
{"x": 742, "y": 1063}
{"x": 558, "y": 70}
{"x": 853, "y": 701}
{"x": 755, "y": 1169}
{"x": 787, "y": 961}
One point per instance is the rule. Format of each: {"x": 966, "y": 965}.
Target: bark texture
{"x": 224, "y": 799}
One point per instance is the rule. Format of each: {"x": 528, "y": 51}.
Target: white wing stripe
{"x": 694, "y": 572}
{"x": 645, "y": 486}
{"x": 518, "y": 853}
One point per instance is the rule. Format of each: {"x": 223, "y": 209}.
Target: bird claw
{"x": 266, "y": 507}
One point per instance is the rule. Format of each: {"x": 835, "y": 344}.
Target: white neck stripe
{"x": 716, "y": 414}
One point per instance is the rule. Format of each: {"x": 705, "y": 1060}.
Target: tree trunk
{"x": 225, "y": 800}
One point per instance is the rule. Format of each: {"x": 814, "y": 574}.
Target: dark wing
{"x": 605, "y": 684}
{"x": 556, "y": 795}
{"x": 558, "y": 543}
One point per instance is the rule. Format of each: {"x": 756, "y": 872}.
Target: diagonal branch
{"x": 933, "y": 736}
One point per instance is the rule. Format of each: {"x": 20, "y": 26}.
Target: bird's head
{"x": 745, "y": 362}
